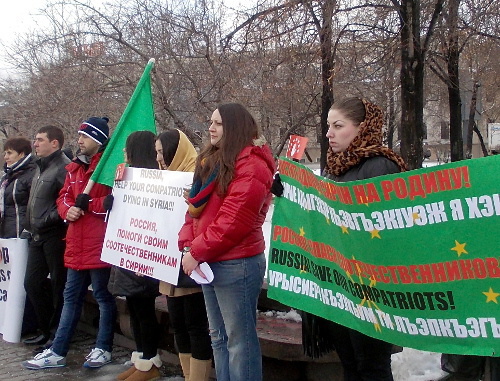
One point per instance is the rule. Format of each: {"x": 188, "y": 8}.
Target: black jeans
{"x": 144, "y": 325}
{"x": 188, "y": 317}
{"x": 463, "y": 367}
{"x": 495, "y": 368}
{"x": 46, "y": 256}
{"x": 363, "y": 357}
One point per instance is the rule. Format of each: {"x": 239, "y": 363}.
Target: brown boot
{"x": 185, "y": 359}
{"x": 147, "y": 370}
{"x": 200, "y": 369}
{"x": 124, "y": 375}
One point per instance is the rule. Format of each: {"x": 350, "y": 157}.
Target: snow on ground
{"x": 409, "y": 365}
{"x": 290, "y": 315}
{"x": 415, "y": 365}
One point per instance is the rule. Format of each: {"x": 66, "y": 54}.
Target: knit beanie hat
{"x": 96, "y": 128}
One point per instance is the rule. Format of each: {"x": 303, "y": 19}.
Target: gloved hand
{"x": 82, "y": 201}
{"x": 108, "y": 202}
{"x": 277, "y": 187}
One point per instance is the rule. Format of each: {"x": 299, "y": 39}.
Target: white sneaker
{"x": 97, "y": 358}
{"x": 46, "y": 359}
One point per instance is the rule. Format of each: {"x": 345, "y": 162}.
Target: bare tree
{"x": 462, "y": 25}
{"x": 413, "y": 53}
{"x": 285, "y": 60}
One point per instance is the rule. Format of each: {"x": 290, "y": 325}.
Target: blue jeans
{"x": 76, "y": 288}
{"x": 231, "y": 301}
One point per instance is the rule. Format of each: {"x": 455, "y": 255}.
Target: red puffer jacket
{"x": 230, "y": 227}
{"x": 85, "y": 236}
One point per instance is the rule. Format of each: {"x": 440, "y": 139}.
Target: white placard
{"x": 14, "y": 256}
{"x": 143, "y": 225}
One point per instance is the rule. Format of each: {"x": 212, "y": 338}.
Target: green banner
{"x": 410, "y": 258}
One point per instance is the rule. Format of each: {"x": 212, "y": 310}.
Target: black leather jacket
{"x": 368, "y": 168}
{"x": 41, "y": 215}
{"x": 15, "y": 198}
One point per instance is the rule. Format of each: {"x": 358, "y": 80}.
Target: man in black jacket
{"x": 46, "y": 233}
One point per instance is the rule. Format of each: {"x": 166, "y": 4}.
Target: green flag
{"x": 138, "y": 116}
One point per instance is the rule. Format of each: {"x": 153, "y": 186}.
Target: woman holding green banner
{"x": 355, "y": 153}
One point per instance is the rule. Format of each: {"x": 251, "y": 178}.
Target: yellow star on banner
{"x": 459, "y": 248}
{"x": 302, "y": 232}
{"x": 303, "y": 269}
{"x": 358, "y": 269}
{"x": 345, "y": 229}
{"x": 491, "y": 296}
{"x": 415, "y": 216}
{"x": 375, "y": 234}
{"x": 348, "y": 274}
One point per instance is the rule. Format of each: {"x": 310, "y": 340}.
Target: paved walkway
{"x": 11, "y": 356}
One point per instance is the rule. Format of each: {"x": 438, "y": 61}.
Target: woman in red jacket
{"x": 228, "y": 202}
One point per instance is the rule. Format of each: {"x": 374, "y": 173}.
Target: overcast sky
{"x": 16, "y": 17}
{"x": 19, "y": 17}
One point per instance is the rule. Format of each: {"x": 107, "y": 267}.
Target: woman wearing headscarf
{"x": 355, "y": 153}
{"x": 186, "y": 306}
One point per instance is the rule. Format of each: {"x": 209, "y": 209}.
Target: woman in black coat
{"x": 140, "y": 291}
{"x": 15, "y": 186}
{"x": 355, "y": 153}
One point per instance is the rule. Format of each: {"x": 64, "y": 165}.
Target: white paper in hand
{"x": 205, "y": 268}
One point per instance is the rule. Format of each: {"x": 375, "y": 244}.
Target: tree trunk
{"x": 454, "y": 100}
{"x": 391, "y": 120}
{"x": 325, "y": 37}
{"x": 412, "y": 85}
{"x": 481, "y": 140}
{"x": 472, "y": 122}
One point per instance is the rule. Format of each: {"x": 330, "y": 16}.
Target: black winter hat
{"x": 96, "y": 128}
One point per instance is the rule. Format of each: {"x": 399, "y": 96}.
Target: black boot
{"x": 36, "y": 340}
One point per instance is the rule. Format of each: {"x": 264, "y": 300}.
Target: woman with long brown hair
{"x": 228, "y": 203}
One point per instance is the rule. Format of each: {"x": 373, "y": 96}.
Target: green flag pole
{"x": 138, "y": 116}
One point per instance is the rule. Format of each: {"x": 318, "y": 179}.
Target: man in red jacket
{"x": 85, "y": 215}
